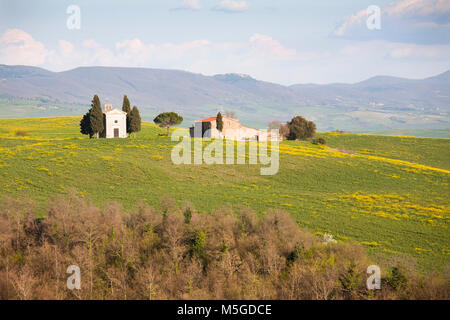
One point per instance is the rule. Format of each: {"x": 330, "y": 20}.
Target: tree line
{"x": 170, "y": 119}
{"x": 174, "y": 252}
{"x": 297, "y": 129}
{"x": 93, "y": 122}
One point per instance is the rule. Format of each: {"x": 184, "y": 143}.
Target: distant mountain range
{"x": 378, "y": 103}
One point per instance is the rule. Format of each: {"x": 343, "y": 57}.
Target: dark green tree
{"x": 85, "y": 124}
{"x": 126, "y": 105}
{"x": 96, "y": 117}
{"x": 168, "y": 119}
{"x": 301, "y": 129}
{"x": 135, "y": 121}
{"x": 126, "y": 108}
{"x": 398, "y": 278}
{"x": 320, "y": 141}
{"x": 219, "y": 122}
{"x": 350, "y": 281}
{"x": 187, "y": 215}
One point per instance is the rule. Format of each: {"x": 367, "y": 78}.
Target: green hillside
{"x": 390, "y": 194}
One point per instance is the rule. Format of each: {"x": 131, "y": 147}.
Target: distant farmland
{"x": 391, "y": 194}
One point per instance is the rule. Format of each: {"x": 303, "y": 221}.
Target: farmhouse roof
{"x": 207, "y": 119}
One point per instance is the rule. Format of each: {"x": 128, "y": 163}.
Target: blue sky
{"x": 285, "y": 41}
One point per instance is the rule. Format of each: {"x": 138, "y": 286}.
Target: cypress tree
{"x": 126, "y": 108}
{"x": 135, "y": 121}
{"x": 85, "y": 124}
{"x": 219, "y": 122}
{"x": 96, "y": 117}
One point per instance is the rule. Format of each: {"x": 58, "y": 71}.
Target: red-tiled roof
{"x": 208, "y": 119}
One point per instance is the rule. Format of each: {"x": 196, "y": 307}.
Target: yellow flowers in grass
{"x": 71, "y": 146}
{"x": 370, "y": 243}
{"x": 286, "y": 204}
{"x": 420, "y": 250}
{"x": 45, "y": 170}
{"x": 307, "y": 152}
{"x": 409, "y": 165}
{"x": 107, "y": 158}
{"x": 302, "y": 150}
{"x": 395, "y": 207}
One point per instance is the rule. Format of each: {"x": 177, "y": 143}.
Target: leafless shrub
{"x": 175, "y": 253}
{"x": 21, "y": 133}
{"x": 344, "y": 150}
{"x": 230, "y": 114}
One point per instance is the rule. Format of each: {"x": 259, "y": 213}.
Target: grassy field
{"x": 34, "y": 108}
{"x": 391, "y": 194}
{"x": 424, "y": 133}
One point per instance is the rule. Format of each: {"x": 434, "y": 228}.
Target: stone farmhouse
{"x": 115, "y": 121}
{"x": 232, "y": 130}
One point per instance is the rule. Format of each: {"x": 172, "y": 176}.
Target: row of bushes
{"x": 297, "y": 129}
{"x": 179, "y": 253}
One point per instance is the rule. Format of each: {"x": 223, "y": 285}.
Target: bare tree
{"x": 283, "y": 128}
{"x": 23, "y": 282}
{"x": 230, "y": 114}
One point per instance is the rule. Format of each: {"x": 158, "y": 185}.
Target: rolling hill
{"x": 375, "y": 104}
{"x": 390, "y": 194}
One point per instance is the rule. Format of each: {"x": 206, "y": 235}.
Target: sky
{"x": 284, "y": 41}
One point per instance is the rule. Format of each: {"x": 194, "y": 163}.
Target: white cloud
{"x": 379, "y": 49}
{"x": 260, "y": 56}
{"x": 232, "y": 6}
{"x": 65, "y": 47}
{"x": 190, "y": 4}
{"x": 362, "y": 60}
{"x": 267, "y": 46}
{"x": 92, "y": 44}
{"x": 403, "y": 50}
{"x": 417, "y": 8}
{"x": 19, "y": 47}
{"x": 354, "y": 19}
{"x": 414, "y": 21}
{"x": 136, "y": 53}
